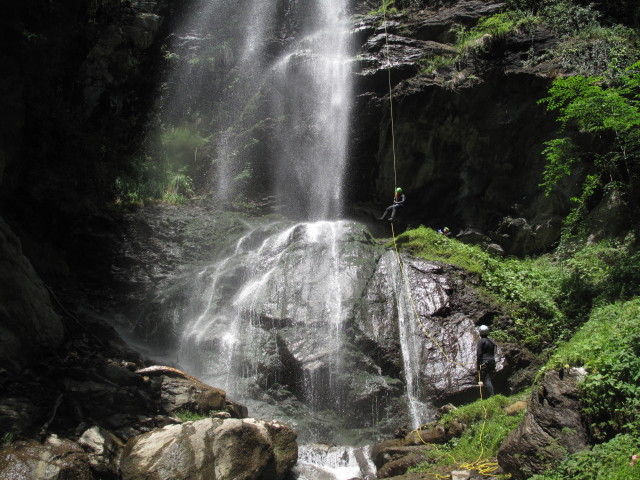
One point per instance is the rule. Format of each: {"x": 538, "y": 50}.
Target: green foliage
{"x": 7, "y": 439}
{"x": 547, "y": 297}
{"x": 608, "y": 345}
{"x": 598, "y": 50}
{"x": 180, "y": 147}
{"x": 165, "y": 173}
{"x": 487, "y": 427}
{"x": 178, "y": 189}
{"x": 427, "y": 243}
{"x": 573, "y": 225}
{"x": 492, "y": 28}
{"x": 530, "y": 289}
{"x": 568, "y": 18}
{"x": 584, "y": 303}
{"x": 560, "y": 153}
{"x": 475, "y": 412}
{"x": 189, "y": 416}
{"x": 32, "y": 37}
{"x": 610, "y": 113}
{"x": 385, "y": 9}
{"x": 607, "y": 461}
{"x": 149, "y": 181}
{"x": 437, "y": 62}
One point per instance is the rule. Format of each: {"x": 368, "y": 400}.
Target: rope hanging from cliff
{"x": 483, "y": 467}
{"x": 395, "y": 182}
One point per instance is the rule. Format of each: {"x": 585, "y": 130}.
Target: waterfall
{"x": 262, "y": 88}
{"x": 265, "y": 87}
{"x": 411, "y": 345}
{"x": 260, "y": 91}
{"x": 238, "y": 304}
{"x": 317, "y": 462}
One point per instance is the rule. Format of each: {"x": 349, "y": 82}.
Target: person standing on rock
{"x": 398, "y": 201}
{"x": 486, "y": 360}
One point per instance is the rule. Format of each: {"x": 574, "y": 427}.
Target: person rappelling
{"x": 398, "y": 201}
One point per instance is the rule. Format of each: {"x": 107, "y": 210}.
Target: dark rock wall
{"x": 28, "y": 323}
{"x": 468, "y": 139}
{"x": 75, "y": 95}
{"x": 465, "y": 157}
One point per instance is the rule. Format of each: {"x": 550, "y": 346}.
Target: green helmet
{"x": 399, "y": 190}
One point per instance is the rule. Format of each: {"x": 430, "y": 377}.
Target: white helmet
{"x": 483, "y": 329}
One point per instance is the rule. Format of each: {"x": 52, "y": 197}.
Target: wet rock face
{"x": 387, "y": 322}
{"x": 307, "y": 318}
{"x": 552, "y": 427}
{"x": 212, "y": 449}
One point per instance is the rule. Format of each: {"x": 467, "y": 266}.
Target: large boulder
{"x": 212, "y": 449}
{"x": 552, "y": 428}
{"x": 301, "y": 319}
{"x": 183, "y": 393}
{"x": 55, "y": 459}
{"x": 180, "y": 391}
{"x": 443, "y": 336}
{"x": 103, "y": 450}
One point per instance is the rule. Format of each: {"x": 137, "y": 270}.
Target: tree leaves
{"x": 609, "y": 112}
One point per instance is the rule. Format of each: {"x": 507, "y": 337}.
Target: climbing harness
{"x": 483, "y": 467}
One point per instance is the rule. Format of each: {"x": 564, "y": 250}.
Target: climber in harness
{"x": 398, "y": 201}
{"x": 486, "y": 360}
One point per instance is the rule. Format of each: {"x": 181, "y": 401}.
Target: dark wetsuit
{"x": 398, "y": 201}
{"x": 486, "y": 362}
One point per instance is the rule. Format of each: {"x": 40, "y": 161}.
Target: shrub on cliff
{"x": 608, "y": 461}
{"x": 608, "y": 345}
{"x": 608, "y": 112}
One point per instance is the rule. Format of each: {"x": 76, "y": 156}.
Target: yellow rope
{"x": 483, "y": 467}
{"x": 386, "y": 48}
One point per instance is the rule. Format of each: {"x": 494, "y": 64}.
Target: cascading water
{"x": 229, "y": 342}
{"x": 261, "y": 91}
{"x": 265, "y": 86}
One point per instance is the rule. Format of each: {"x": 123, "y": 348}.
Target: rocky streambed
{"x": 96, "y": 415}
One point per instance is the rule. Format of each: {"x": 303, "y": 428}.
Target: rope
{"x": 386, "y": 48}
{"x": 483, "y": 467}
